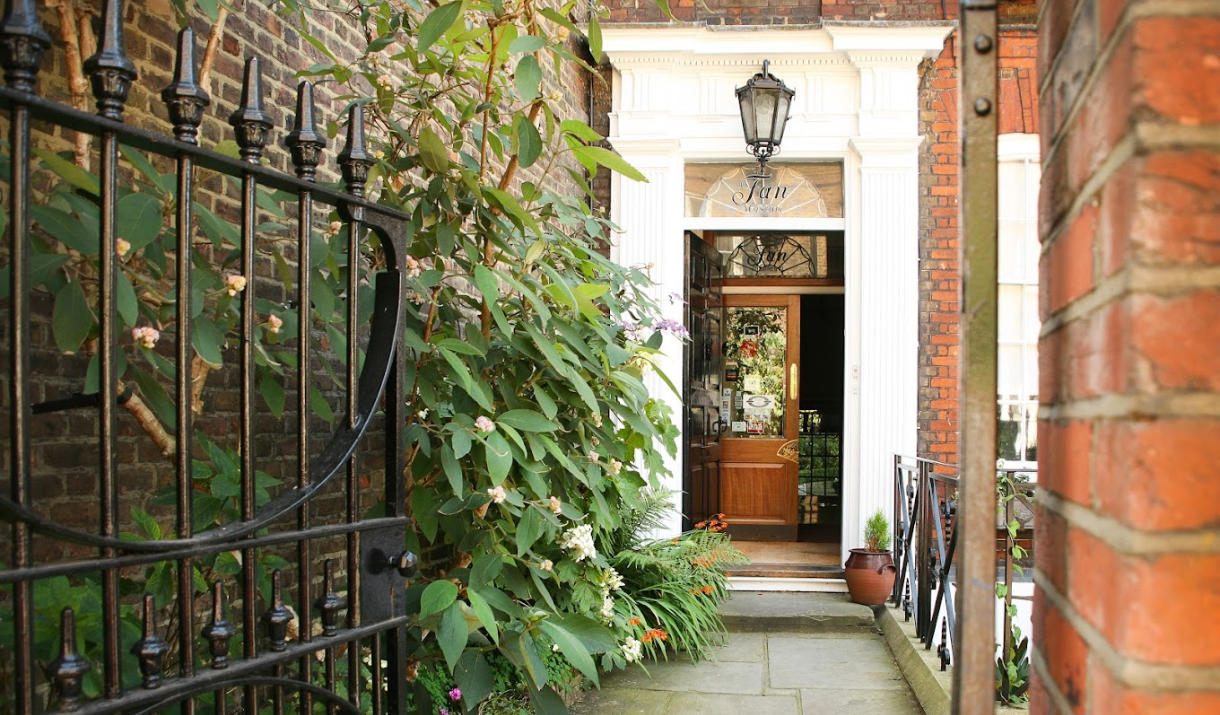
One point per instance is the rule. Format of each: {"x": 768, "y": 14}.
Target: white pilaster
{"x": 649, "y": 215}
{"x": 888, "y": 339}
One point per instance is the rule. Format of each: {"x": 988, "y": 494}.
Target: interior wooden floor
{"x": 789, "y": 559}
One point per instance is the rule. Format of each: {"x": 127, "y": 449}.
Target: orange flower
{"x": 707, "y": 589}
{"x": 633, "y": 622}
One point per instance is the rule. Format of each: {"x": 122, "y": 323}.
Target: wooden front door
{"x": 758, "y": 471}
{"x": 703, "y": 375}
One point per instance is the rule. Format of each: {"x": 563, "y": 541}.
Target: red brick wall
{"x": 939, "y": 279}
{"x": 1129, "y": 524}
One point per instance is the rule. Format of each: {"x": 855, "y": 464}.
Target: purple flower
{"x": 630, "y": 330}
{"x": 673, "y": 327}
{"x": 455, "y": 694}
{"x": 442, "y": 711}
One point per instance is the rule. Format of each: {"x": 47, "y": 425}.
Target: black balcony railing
{"x": 926, "y": 541}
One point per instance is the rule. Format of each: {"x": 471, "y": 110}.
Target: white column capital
{"x": 887, "y": 152}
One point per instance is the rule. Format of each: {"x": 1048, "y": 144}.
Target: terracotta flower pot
{"x": 870, "y": 576}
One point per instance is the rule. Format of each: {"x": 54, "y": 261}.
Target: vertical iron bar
{"x": 306, "y": 145}
{"x": 898, "y": 513}
{"x": 251, "y": 126}
{"x": 22, "y": 44}
{"x": 923, "y": 554}
{"x": 186, "y": 101}
{"x": 1009, "y": 542}
{"x": 355, "y": 162}
{"x": 111, "y": 74}
{"x": 974, "y": 644}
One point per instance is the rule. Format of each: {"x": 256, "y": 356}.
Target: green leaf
{"x": 453, "y": 471}
{"x": 473, "y": 676}
{"x": 528, "y": 78}
{"x": 499, "y": 457}
{"x": 68, "y": 171}
{"x": 207, "y": 340}
{"x": 125, "y": 300}
{"x": 156, "y": 396}
{"x": 438, "y": 596}
{"x": 66, "y": 229}
{"x": 547, "y": 702}
{"x": 44, "y": 265}
{"x": 71, "y": 319}
{"x": 579, "y": 129}
{"x": 523, "y": 652}
{"x": 485, "y": 569}
{"x": 460, "y": 346}
{"x": 595, "y": 637}
{"x": 594, "y": 36}
{"x": 273, "y": 394}
{"x": 461, "y": 442}
{"x": 452, "y": 634}
{"x": 432, "y": 151}
{"x": 549, "y": 408}
{"x": 139, "y": 219}
{"x": 437, "y": 23}
{"x": 528, "y": 530}
{"x": 527, "y": 420}
{"x": 573, "y": 649}
{"x": 526, "y": 44}
{"x": 484, "y": 613}
{"x": 608, "y": 159}
{"x": 529, "y": 143}
{"x": 423, "y": 510}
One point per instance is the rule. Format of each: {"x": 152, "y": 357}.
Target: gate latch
{"x": 385, "y": 567}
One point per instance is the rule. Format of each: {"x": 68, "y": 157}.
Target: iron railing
{"x": 926, "y": 542}
{"x": 366, "y": 620}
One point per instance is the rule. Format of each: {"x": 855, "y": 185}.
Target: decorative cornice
{"x": 886, "y": 152}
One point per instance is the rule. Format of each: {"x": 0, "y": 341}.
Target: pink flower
{"x": 413, "y": 267}
{"x": 555, "y": 505}
{"x": 145, "y": 336}
{"x": 455, "y": 694}
{"x": 235, "y": 284}
{"x": 615, "y": 466}
{"x": 483, "y": 424}
{"x": 274, "y": 323}
{"x": 121, "y": 247}
{"x": 547, "y": 565}
{"x": 497, "y": 494}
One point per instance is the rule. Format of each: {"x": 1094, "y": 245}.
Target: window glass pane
{"x": 1033, "y": 326}
{"x": 1009, "y": 380}
{"x": 1011, "y": 299}
{"x": 755, "y": 357}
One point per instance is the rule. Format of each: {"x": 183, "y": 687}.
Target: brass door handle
{"x": 793, "y": 374}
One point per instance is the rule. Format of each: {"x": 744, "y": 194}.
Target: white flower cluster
{"x": 631, "y": 649}
{"x": 611, "y": 581}
{"x": 607, "y": 608}
{"x": 579, "y": 539}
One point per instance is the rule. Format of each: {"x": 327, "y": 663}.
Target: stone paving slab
{"x": 830, "y": 660}
{"x": 695, "y": 703}
{"x": 849, "y": 663}
{"x": 748, "y": 611}
{"x": 727, "y": 677}
{"x": 858, "y": 702}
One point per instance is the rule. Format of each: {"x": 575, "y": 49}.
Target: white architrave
{"x": 856, "y": 102}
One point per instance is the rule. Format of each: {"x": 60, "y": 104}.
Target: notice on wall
{"x": 752, "y": 383}
{"x": 739, "y": 426}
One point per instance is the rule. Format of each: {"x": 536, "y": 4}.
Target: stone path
{"x": 826, "y": 657}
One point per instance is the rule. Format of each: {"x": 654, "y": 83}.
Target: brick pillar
{"x": 1126, "y": 616}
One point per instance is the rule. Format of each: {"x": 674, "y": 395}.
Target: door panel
{"x": 702, "y": 376}
{"x": 758, "y": 486}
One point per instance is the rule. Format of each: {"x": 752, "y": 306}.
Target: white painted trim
{"x": 784, "y": 290}
{"x": 1015, "y": 147}
{"x": 801, "y": 585}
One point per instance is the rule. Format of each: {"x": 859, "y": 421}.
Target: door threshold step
{"x": 782, "y": 570}
{"x": 792, "y": 585}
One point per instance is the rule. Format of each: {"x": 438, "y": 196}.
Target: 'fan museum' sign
{"x": 791, "y": 190}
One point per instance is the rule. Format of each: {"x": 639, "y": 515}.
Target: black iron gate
{"x": 359, "y": 627}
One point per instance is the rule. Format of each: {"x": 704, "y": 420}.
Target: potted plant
{"x": 870, "y": 571}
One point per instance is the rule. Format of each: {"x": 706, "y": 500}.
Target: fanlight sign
{"x": 790, "y": 191}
